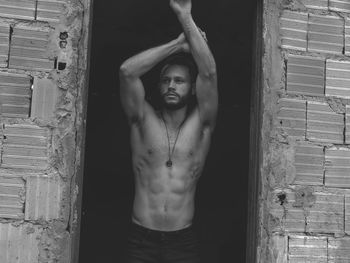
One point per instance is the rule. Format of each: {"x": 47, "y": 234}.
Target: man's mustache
{"x": 171, "y": 93}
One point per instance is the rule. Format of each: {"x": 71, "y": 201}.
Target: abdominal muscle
{"x": 164, "y": 197}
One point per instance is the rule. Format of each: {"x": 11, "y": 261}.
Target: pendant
{"x": 169, "y": 163}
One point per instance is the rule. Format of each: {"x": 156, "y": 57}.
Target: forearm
{"x": 141, "y": 63}
{"x": 199, "y": 47}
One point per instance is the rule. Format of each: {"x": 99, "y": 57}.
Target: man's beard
{"x": 183, "y": 102}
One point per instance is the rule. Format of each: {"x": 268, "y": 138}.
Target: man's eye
{"x": 179, "y": 81}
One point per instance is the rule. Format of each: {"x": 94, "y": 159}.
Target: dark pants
{"x": 150, "y": 246}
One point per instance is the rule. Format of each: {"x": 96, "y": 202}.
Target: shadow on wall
{"x": 122, "y": 29}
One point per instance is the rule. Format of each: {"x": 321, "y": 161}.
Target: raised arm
{"x": 132, "y": 92}
{"x": 206, "y": 84}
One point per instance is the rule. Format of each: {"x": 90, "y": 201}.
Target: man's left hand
{"x": 182, "y": 42}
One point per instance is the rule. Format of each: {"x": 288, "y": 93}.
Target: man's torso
{"x": 164, "y": 196}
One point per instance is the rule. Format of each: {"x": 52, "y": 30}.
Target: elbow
{"x": 124, "y": 70}
{"x": 209, "y": 73}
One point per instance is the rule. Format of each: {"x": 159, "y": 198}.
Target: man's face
{"x": 175, "y": 86}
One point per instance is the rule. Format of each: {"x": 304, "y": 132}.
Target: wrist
{"x": 177, "y": 45}
{"x": 184, "y": 15}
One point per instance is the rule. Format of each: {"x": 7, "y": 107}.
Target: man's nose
{"x": 171, "y": 84}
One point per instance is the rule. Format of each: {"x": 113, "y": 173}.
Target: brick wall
{"x": 305, "y": 169}
{"x": 43, "y": 72}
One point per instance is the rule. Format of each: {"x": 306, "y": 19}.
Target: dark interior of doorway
{"x": 121, "y": 29}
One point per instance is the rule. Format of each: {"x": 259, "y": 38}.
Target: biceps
{"x": 207, "y": 97}
{"x": 132, "y": 96}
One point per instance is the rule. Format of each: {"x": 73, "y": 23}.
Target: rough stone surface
{"x": 42, "y": 121}
{"x": 305, "y": 206}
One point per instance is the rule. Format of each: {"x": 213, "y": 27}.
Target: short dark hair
{"x": 182, "y": 59}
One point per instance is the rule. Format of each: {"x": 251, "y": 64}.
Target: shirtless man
{"x": 169, "y": 147}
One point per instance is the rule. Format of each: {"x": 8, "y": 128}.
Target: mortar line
{"x": 344, "y": 217}
{"x": 10, "y": 41}
{"x": 344, "y": 129}
{"x": 2, "y": 143}
{"x": 31, "y": 95}
{"x": 288, "y": 241}
{"x": 285, "y": 75}
{"x": 307, "y": 32}
{"x": 324, "y": 76}
{"x": 344, "y": 42}
{"x": 36, "y": 10}
{"x": 324, "y": 166}
{"x": 327, "y": 249}
{"x": 306, "y": 119}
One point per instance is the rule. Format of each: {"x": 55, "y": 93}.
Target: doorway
{"x": 121, "y": 29}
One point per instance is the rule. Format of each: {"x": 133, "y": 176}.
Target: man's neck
{"x": 174, "y": 118}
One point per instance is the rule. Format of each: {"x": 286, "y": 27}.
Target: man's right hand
{"x": 181, "y": 7}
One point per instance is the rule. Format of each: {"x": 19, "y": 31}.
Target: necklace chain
{"x": 169, "y": 163}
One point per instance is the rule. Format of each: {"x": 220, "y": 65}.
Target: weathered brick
{"x": 326, "y": 215}
{"x": 323, "y": 124}
{"x": 29, "y": 49}
{"x": 292, "y": 116}
{"x": 338, "y": 78}
{"x": 347, "y": 36}
{"x": 25, "y": 146}
{"x": 15, "y": 94}
{"x": 19, "y": 244}
{"x": 307, "y": 249}
{"x": 279, "y": 246}
{"x": 4, "y": 44}
{"x": 43, "y": 197}
{"x": 309, "y": 164}
{"x": 347, "y": 214}
{"x": 286, "y": 216}
{"x": 347, "y": 125}
{"x": 50, "y": 10}
{"x": 338, "y": 250}
{"x": 325, "y": 34}
{"x": 44, "y": 100}
{"x": 293, "y": 29}
{"x": 11, "y": 195}
{"x": 339, "y": 5}
{"x": 316, "y": 4}
{"x": 337, "y": 172}
{"x": 305, "y": 75}
{"x": 303, "y": 210}
{"x": 22, "y": 9}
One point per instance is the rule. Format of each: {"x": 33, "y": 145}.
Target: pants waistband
{"x": 159, "y": 232}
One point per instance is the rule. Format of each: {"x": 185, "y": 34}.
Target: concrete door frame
{"x": 254, "y": 182}
{"x": 76, "y": 204}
